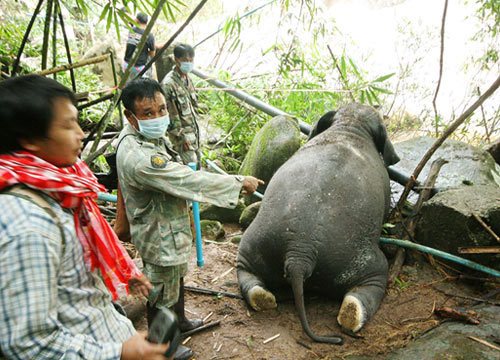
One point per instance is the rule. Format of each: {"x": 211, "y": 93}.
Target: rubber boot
{"x": 183, "y": 353}
{"x": 184, "y": 323}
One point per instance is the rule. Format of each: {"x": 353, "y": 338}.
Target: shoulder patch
{"x": 158, "y": 161}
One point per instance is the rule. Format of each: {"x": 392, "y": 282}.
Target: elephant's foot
{"x": 260, "y": 299}
{"x": 352, "y": 315}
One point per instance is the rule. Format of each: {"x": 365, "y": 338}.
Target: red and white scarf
{"x": 75, "y": 187}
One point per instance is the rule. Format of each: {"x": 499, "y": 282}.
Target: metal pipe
{"x": 442, "y": 254}
{"x": 197, "y": 226}
{"x": 250, "y": 100}
{"x": 107, "y": 197}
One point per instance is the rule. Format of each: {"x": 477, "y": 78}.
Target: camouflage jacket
{"x": 155, "y": 190}
{"x": 182, "y": 105}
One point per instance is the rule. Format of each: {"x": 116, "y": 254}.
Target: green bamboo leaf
{"x": 104, "y": 12}
{"x": 110, "y": 18}
{"x": 117, "y": 25}
{"x": 383, "y": 78}
{"x": 355, "y": 68}
{"x": 362, "y": 100}
{"x": 343, "y": 67}
{"x": 381, "y": 90}
{"x": 374, "y": 95}
{"x": 369, "y": 98}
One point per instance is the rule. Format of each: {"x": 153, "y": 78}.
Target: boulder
{"x": 224, "y": 215}
{"x": 249, "y": 214}
{"x": 274, "y": 144}
{"x": 446, "y": 221}
{"x": 466, "y": 164}
{"x": 104, "y": 69}
{"x": 212, "y": 229}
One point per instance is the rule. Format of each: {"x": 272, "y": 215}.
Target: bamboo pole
{"x": 54, "y": 39}
{"x": 67, "y": 67}
{"x": 46, "y": 33}
{"x": 116, "y": 98}
{"x": 66, "y": 45}
{"x": 25, "y": 38}
{"x": 172, "y": 38}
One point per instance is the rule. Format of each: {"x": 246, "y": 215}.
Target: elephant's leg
{"x": 254, "y": 291}
{"x": 360, "y": 304}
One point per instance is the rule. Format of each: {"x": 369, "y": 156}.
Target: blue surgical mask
{"x": 186, "y": 67}
{"x": 153, "y": 128}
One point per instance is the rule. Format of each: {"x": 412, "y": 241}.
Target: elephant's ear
{"x": 322, "y": 124}
{"x": 382, "y": 142}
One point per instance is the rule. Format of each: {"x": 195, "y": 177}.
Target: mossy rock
{"x": 271, "y": 147}
{"x": 224, "y": 215}
{"x": 236, "y": 239}
{"x": 212, "y": 229}
{"x": 249, "y": 214}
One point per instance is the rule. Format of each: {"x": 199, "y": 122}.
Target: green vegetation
{"x": 304, "y": 76}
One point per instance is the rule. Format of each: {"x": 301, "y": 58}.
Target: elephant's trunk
{"x": 297, "y": 281}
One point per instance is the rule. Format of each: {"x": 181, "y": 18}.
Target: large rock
{"x": 274, "y": 144}
{"x": 104, "y": 69}
{"x": 447, "y": 222}
{"x": 212, "y": 229}
{"x": 224, "y": 215}
{"x": 249, "y": 214}
{"x": 466, "y": 163}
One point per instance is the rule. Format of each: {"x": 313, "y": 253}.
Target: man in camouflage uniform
{"x": 156, "y": 189}
{"x": 182, "y": 104}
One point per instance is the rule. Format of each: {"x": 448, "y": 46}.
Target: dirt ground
{"x": 405, "y": 314}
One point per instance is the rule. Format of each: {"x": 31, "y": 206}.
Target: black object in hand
{"x": 164, "y": 329}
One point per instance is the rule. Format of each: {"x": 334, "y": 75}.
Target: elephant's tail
{"x": 297, "y": 281}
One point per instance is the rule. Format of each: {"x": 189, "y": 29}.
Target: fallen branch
{"x": 486, "y": 227}
{"x": 67, "y": 67}
{"x": 200, "y": 328}
{"x": 271, "y": 339}
{"x": 212, "y": 292}
{"x": 304, "y": 345}
{"x": 443, "y": 22}
{"x": 467, "y": 316}
{"x": 468, "y": 112}
{"x": 484, "y": 342}
{"x": 479, "y": 250}
{"x": 424, "y": 195}
{"x": 470, "y": 298}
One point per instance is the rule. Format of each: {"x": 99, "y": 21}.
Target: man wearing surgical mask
{"x": 182, "y": 103}
{"x": 156, "y": 190}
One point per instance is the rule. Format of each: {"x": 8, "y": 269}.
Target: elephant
{"x": 319, "y": 223}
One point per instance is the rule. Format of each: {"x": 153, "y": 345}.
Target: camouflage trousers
{"x": 165, "y": 281}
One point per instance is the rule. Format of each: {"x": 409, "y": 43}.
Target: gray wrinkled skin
{"x": 320, "y": 220}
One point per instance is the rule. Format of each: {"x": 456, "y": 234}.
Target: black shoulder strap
{"x": 33, "y": 196}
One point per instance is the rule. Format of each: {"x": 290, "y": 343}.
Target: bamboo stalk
{"x": 172, "y": 38}
{"x": 128, "y": 72}
{"x": 54, "y": 39}
{"x": 25, "y": 38}
{"x": 492, "y": 233}
{"x": 67, "y": 67}
{"x": 465, "y": 115}
{"x": 66, "y": 45}
{"x": 46, "y": 31}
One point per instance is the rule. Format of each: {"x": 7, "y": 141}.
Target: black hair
{"x": 142, "y": 18}
{"x": 27, "y": 108}
{"x": 183, "y": 50}
{"x": 139, "y": 89}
